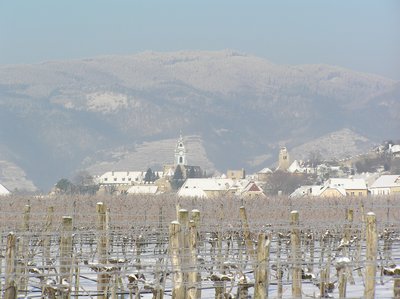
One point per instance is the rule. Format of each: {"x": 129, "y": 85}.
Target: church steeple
{"x": 180, "y": 152}
{"x": 283, "y": 159}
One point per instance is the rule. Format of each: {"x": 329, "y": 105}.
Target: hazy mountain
{"x": 336, "y": 145}
{"x": 57, "y": 117}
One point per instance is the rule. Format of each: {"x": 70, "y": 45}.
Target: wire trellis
{"x": 126, "y": 252}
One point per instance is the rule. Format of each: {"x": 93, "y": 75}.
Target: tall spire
{"x": 180, "y": 152}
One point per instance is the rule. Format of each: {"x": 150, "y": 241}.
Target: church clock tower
{"x": 180, "y": 152}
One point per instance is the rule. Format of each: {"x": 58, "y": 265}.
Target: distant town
{"x": 375, "y": 173}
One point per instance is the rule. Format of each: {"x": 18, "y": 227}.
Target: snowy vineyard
{"x": 162, "y": 247}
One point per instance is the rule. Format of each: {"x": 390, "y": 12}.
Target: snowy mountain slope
{"x": 56, "y": 115}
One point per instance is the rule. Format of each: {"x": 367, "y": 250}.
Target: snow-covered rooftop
{"x": 265, "y": 170}
{"x": 3, "y": 190}
{"x": 355, "y": 184}
{"x": 143, "y": 189}
{"x": 386, "y": 181}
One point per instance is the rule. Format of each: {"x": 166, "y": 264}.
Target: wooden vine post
{"x": 195, "y": 217}
{"x": 185, "y": 256}
{"x": 279, "y": 271}
{"x": 347, "y": 232}
{"x": 1, "y": 264}
{"x": 342, "y": 285}
{"x": 361, "y": 239}
{"x": 178, "y": 290}
{"x": 295, "y": 254}
{"x": 261, "y": 283}
{"x": 46, "y": 237}
{"x": 193, "y": 274}
{"x": 23, "y": 250}
{"x": 312, "y": 252}
{"x": 371, "y": 252}
{"x": 322, "y": 284}
{"x": 102, "y": 278}
{"x": 66, "y": 256}
{"x": 158, "y": 290}
{"x": 246, "y": 233}
{"x": 396, "y": 288}
{"x": 10, "y": 288}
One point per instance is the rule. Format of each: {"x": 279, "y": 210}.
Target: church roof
{"x": 3, "y": 190}
{"x": 265, "y": 170}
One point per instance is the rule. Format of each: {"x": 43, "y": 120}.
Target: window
{"x": 105, "y": 179}
{"x": 123, "y": 179}
{"x": 129, "y": 179}
{"x": 180, "y": 160}
{"x": 352, "y": 193}
{"x": 115, "y": 179}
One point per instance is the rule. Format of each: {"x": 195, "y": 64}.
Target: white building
{"x": 205, "y": 187}
{"x": 214, "y": 187}
{"x": 347, "y": 183}
{"x": 143, "y": 189}
{"x": 395, "y": 150}
{"x": 386, "y": 185}
{"x": 334, "y": 187}
{"x": 121, "y": 178}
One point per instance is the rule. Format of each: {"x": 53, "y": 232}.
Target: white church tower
{"x": 180, "y": 152}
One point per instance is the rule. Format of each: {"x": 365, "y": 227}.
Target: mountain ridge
{"x": 240, "y": 107}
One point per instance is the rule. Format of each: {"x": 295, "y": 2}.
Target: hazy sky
{"x": 361, "y": 34}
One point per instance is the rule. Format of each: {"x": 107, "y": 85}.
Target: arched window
{"x": 180, "y": 160}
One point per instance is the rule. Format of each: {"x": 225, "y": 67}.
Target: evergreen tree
{"x": 192, "y": 173}
{"x": 177, "y": 179}
{"x": 148, "y": 177}
{"x": 178, "y": 174}
{"x": 65, "y": 186}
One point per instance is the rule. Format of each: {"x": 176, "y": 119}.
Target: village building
{"x": 251, "y": 190}
{"x": 264, "y": 174}
{"x": 205, "y": 187}
{"x": 306, "y": 191}
{"x": 236, "y": 174}
{"x": 135, "y": 182}
{"x": 144, "y": 189}
{"x": 296, "y": 168}
{"x": 334, "y": 187}
{"x": 318, "y": 191}
{"x": 386, "y": 185}
{"x": 117, "y": 178}
{"x": 352, "y": 187}
{"x": 215, "y": 187}
{"x": 394, "y": 150}
{"x": 301, "y": 167}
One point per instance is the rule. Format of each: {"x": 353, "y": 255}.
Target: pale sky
{"x": 362, "y": 35}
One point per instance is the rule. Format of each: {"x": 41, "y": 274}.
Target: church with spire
{"x": 180, "y": 153}
{"x": 181, "y": 170}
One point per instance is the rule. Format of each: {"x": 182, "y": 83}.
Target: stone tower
{"x": 180, "y": 153}
{"x": 283, "y": 159}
